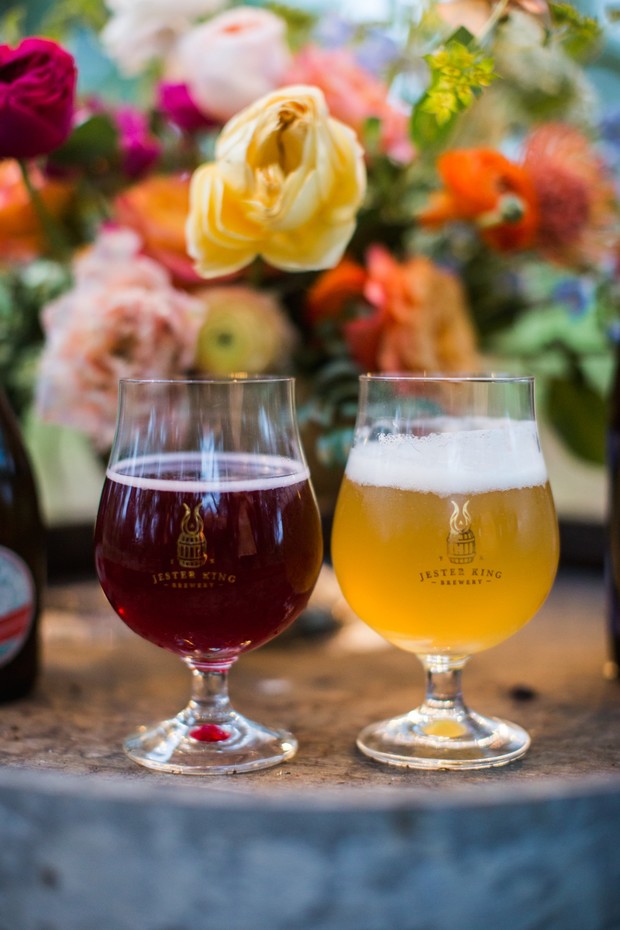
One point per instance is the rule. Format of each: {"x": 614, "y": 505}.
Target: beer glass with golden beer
{"x": 208, "y": 544}
{"x": 445, "y": 541}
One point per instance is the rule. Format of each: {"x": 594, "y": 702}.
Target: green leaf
{"x": 430, "y": 129}
{"x": 94, "y": 139}
{"x": 580, "y": 35}
{"x": 372, "y": 136}
{"x": 463, "y": 36}
{"x": 59, "y": 18}
{"x": 579, "y": 415}
{"x": 458, "y": 74}
{"x": 300, "y": 23}
{"x": 12, "y": 25}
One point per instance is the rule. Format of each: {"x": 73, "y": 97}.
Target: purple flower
{"x": 376, "y": 52}
{"x": 333, "y": 31}
{"x": 610, "y": 139}
{"x": 575, "y": 294}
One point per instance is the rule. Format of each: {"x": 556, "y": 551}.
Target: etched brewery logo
{"x": 466, "y": 564}
{"x": 461, "y": 541}
{"x": 191, "y": 569}
{"x": 191, "y": 543}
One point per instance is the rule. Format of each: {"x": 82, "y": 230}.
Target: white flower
{"x": 142, "y": 30}
{"x": 231, "y": 60}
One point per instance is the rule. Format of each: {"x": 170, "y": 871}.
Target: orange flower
{"x": 334, "y": 289}
{"x": 21, "y": 235}
{"x": 157, "y": 209}
{"x": 575, "y": 191}
{"x": 425, "y": 323}
{"x": 484, "y": 187}
{"x": 417, "y": 315}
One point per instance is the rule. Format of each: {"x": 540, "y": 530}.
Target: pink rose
{"x": 121, "y": 319}
{"x": 37, "y": 90}
{"x": 231, "y": 60}
{"x": 353, "y": 96}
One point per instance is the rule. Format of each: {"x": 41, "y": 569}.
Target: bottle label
{"x": 17, "y": 603}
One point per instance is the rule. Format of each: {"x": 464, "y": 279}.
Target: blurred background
{"x": 487, "y": 239}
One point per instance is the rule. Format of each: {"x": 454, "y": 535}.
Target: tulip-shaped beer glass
{"x": 445, "y": 541}
{"x": 208, "y": 544}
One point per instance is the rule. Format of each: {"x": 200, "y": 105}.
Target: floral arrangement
{"x": 207, "y": 187}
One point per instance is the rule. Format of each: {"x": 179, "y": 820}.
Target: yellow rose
{"x": 286, "y": 184}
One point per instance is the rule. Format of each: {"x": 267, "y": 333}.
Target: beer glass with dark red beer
{"x": 208, "y": 544}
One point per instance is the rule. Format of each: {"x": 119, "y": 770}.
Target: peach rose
{"x": 353, "y": 96}
{"x": 157, "y": 209}
{"x": 21, "y": 235}
{"x": 231, "y": 60}
{"x": 121, "y": 319}
{"x": 286, "y": 185}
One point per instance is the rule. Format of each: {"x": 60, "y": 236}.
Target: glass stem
{"x": 444, "y": 694}
{"x": 209, "y": 702}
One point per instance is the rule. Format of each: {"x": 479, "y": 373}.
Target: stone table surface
{"x": 100, "y": 680}
{"x": 355, "y": 842}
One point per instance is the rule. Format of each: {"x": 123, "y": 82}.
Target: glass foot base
{"x": 429, "y": 741}
{"x": 206, "y": 748}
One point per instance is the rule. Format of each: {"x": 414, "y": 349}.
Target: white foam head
{"x": 218, "y": 472}
{"x": 496, "y": 455}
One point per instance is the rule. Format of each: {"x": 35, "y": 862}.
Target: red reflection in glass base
{"x": 209, "y": 733}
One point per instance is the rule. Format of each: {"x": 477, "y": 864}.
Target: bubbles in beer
{"x": 492, "y": 455}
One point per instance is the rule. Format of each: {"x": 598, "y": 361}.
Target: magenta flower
{"x": 176, "y": 104}
{"x": 37, "y": 90}
{"x": 139, "y": 147}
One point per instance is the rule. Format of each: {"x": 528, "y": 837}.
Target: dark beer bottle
{"x": 22, "y": 562}
{"x": 612, "y": 566}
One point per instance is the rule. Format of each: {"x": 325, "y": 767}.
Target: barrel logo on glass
{"x": 461, "y": 540}
{"x": 461, "y": 563}
{"x": 192, "y": 543}
{"x": 193, "y": 557}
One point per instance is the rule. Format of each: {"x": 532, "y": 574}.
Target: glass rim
{"x": 213, "y": 379}
{"x": 489, "y": 378}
